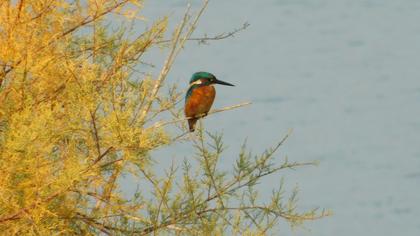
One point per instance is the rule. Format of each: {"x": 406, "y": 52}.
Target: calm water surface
{"x": 345, "y": 75}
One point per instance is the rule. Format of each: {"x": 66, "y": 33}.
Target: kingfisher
{"x": 200, "y": 96}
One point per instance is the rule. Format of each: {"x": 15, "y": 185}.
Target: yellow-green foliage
{"x": 66, "y": 107}
{"x": 75, "y": 116}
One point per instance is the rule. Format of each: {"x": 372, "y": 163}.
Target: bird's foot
{"x": 204, "y": 114}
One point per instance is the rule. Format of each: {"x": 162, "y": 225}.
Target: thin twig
{"x": 284, "y": 215}
{"x": 102, "y": 155}
{"x": 95, "y": 131}
{"x": 221, "y": 36}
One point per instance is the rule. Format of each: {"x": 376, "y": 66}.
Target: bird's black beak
{"x": 216, "y": 81}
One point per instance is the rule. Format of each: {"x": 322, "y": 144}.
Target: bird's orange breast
{"x": 200, "y": 101}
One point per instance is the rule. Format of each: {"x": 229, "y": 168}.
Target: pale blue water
{"x": 345, "y": 75}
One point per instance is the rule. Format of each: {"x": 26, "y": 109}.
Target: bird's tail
{"x": 191, "y": 124}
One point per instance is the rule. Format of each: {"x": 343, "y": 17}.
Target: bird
{"x": 200, "y": 96}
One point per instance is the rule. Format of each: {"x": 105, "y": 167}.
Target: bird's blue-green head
{"x": 206, "y": 78}
{"x": 200, "y": 79}
{"x": 201, "y": 76}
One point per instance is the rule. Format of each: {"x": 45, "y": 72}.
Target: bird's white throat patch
{"x": 196, "y": 82}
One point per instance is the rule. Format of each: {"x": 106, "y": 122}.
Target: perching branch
{"x": 157, "y": 125}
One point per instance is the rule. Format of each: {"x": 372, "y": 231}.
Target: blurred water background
{"x": 345, "y": 75}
